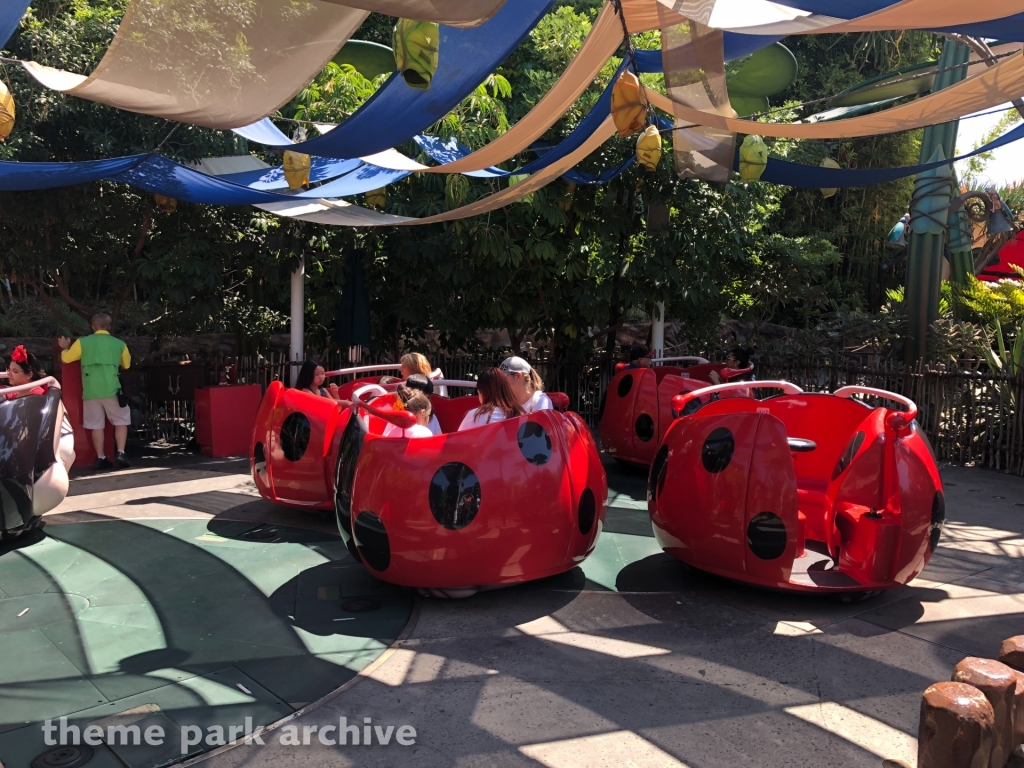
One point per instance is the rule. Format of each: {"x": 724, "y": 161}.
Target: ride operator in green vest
{"x": 101, "y": 355}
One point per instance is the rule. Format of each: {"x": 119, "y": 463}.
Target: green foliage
{"x": 787, "y": 274}
{"x": 855, "y": 220}
{"x": 986, "y": 303}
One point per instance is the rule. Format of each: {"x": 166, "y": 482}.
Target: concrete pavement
{"x": 655, "y": 665}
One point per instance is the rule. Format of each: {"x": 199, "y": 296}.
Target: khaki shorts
{"x": 94, "y": 411}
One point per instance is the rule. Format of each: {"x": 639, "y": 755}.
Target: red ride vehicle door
{"x": 297, "y": 438}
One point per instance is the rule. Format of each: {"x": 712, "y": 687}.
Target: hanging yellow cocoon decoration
{"x": 6, "y": 112}
{"x": 296, "y": 169}
{"x": 828, "y": 192}
{"x": 753, "y": 158}
{"x": 648, "y": 148}
{"x": 629, "y": 110}
{"x": 416, "y": 51}
{"x": 376, "y": 198}
{"x": 165, "y": 204}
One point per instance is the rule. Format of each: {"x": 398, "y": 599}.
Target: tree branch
{"x": 140, "y": 242}
{"x": 85, "y": 312}
{"x": 605, "y": 331}
{"x": 41, "y": 290}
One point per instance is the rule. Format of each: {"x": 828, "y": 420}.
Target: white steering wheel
{"x": 374, "y": 390}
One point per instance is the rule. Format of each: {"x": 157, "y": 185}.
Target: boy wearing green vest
{"x": 101, "y": 355}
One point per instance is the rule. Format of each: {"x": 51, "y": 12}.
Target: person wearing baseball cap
{"x": 526, "y": 384}
{"x": 640, "y": 356}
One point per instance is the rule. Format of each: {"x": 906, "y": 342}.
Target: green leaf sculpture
{"x": 753, "y": 79}
{"x": 368, "y": 59}
{"x": 893, "y": 85}
{"x": 416, "y": 51}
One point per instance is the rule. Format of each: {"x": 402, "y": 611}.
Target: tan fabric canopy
{"x": 604, "y": 38}
{"x": 340, "y": 213}
{"x": 694, "y": 59}
{"x": 930, "y": 14}
{"x": 644, "y": 15}
{"x": 995, "y": 86}
{"x": 219, "y": 70}
{"x": 454, "y": 13}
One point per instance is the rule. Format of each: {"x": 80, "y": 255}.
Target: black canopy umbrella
{"x": 353, "y": 326}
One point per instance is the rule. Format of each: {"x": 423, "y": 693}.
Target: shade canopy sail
{"x": 162, "y": 176}
{"x": 995, "y": 86}
{"x": 454, "y": 13}
{"x": 221, "y": 69}
{"x": 762, "y": 17}
{"x": 345, "y": 214}
{"x": 604, "y": 38}
{"x": 19, "y": 177}
{"x": 1002, "y": 20}
{"x": 11, "y": 12}
{"x": 396, "y": 112}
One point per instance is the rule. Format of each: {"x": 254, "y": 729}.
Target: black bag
{"x": 122, "y": 398}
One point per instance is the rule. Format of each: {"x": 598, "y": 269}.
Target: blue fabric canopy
{"x": 268, "y": 179}
{"x": 397, "y": 112}
{"x": 367, "y": 177}
{"x": 165, "y": 177}
{"x": 11, "y": 12}
{"x": 736, "y": 47}
{"x": 17, "y": 177}
{"x": 798, "y": 175}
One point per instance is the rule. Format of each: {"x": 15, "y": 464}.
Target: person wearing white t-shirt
{"x": 526, "y": 384}
{"x": 497, "y": 402}
{"x": 416, "y": 403}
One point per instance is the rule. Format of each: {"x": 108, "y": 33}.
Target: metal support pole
{"x": 925, "y": 248}
{"x": 296, "y": 353}
{"x": 658, "y": 330}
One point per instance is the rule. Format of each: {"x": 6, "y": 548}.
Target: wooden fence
{"x": 971, "y": 416}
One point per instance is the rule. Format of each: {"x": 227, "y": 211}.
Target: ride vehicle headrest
{"x": 731, "y": 373}
{"x": 559, "y": 400}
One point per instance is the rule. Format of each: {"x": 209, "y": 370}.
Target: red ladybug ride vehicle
{"x": 512, "y": 501}
{"x": 805, "y": 492}
{"x": 637, "y": 407}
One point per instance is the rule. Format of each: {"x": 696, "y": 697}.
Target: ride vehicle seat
{"x": 838, "y": 429}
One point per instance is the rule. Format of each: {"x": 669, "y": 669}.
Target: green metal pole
{"x": 927, "y": 239}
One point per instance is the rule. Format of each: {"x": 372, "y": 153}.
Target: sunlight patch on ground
{"x": 869, "y": 734}
{"x": 547, "y": 628}
{"x": 623, "y": 749}
{"x": 982, "y": 540}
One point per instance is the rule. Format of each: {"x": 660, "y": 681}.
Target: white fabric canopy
{"x": 222, "y": 166}
{"x": 762, "y": 17}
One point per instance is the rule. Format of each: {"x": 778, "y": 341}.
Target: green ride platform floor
{"x": 627, "y": 557}
{"x": 178, "y": 622}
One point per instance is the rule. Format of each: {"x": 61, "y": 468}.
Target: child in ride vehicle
{"x": 416, "y": 403}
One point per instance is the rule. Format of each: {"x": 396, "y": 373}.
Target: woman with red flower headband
{"x": 23, "y": 368}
